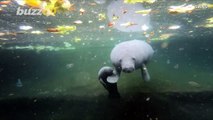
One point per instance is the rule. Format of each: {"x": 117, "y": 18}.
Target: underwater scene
{"x": 106, "y": 59}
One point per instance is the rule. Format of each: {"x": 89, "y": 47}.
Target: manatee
{"x": 127, "y": 57}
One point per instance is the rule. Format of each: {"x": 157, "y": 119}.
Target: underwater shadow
{"x": 138, "y": 106}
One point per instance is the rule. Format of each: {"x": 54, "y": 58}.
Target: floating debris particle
{"x": 90, "y": 21}
{"x": 139, "y": 1}
{"x": 11, "y": 94}
{"x": 205, "y": 6}
{"x": 5, "y": 2}
{"x": 176, "y": 66}
{"x": 4, "y": 39}
{"x": 53, "y": 30}
{"x": 144, "y": 27}
{"x": 209, "y": 20}
{"x": 173, "y": 27}
{"x": 66, "y": 44}
{"x": 82, "y": 11}
{"x": 128, "y": 24}
{"x": 180, "y": 49}
{"x": 164, "y": 45}
{"x": 143, "y": 12}
{"x": 7, "y": 33}
{"x": 165, "y": 36}
{"x": 125, "y": 11}
{"x": 112, "y": 39}
{"x": 208, "y": 26}
{"x": 92, "y": 4}
{"x": 78, "y": 22}
{"x": 148, "y": 99}
{"x": 65, "y": 29}
{"x": 35, "y": 100}
{"x": 101, "y": 16}
{"x": 70, "y": 65}
{"x": 77, "y": 39}
{"x": 100, "y": 1}
{"x": 102, "y": 27}
{"x": 194, "y": 84}
{"x": 168, "y": 61}
{"x": 24, "y": 27}
{"x": 111, "y": 24}
{"x": 181, "y": 9}
{"x": 114, "y": 17}
{"x": 205, "y": 25}
{"x": 62, "y": 29}
{"x": 37, "y": 32}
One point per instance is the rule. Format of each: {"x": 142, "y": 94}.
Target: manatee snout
{"x": 128, "y": 66}
{"x": 128, "y": 69}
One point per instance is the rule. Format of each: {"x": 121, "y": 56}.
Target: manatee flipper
{"x": 115, "y": 77}
{"x": 112, "y": 79}
{"x": 106, "y": 73}
{"x": 145, "y": 73}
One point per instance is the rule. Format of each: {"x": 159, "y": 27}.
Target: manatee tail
{"x": 108, "y": 79}
{"x": 145, "y": 73}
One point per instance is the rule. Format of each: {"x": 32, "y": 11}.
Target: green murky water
{"x": 58, "y": 72}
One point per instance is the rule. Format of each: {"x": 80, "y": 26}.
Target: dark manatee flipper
{"x": 108, "y": 78}
{"x": 145, "y": 73}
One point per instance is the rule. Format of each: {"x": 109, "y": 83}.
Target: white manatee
{"x": 128, "y": 56}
